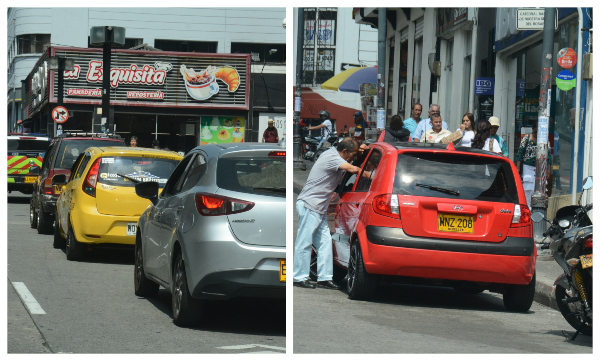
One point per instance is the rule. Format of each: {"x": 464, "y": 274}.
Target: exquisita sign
{"x": 149, "y": 78}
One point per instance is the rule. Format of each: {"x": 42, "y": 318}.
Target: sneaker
{"x": 328, "y": 284}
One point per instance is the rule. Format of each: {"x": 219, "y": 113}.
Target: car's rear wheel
{"x": 44, "y": 222}
{"x": 338, "y": 273}
{"x": 518, "y": 298}
{"x": 143, "y": 286}
{"x": 187, "y": 311}
{"x": 59, "y": 241}
{"x": 361, "y": 284}
{"x": 74, "y": 248}
{"x": 571, "y": 311}
{"x": 32, "y": 216}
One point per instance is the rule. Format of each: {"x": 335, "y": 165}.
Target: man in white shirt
{"x": 436, "y": 133}
{"x": 425, "y": 124}
{"x": 325, "y": 127}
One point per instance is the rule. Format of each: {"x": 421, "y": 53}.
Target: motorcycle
{"x": 310, "y": 144}
{"x": 571, "y": 243}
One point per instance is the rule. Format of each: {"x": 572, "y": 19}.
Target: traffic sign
{"x": 60, "y": 114}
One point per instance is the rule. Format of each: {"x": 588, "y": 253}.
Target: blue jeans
{"x": 312, "y": 229}
{"x": 321, "y": 141}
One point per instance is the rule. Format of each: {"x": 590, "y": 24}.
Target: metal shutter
{"x": 419, "y": 28}
{"x": 404, "y": 35}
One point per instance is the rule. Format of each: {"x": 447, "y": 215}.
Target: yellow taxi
{"x": 98, "y": 204}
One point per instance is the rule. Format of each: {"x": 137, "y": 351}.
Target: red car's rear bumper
{"x": 389, "y": 251}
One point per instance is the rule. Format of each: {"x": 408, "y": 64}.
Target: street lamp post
{"x": 107, "y": 37}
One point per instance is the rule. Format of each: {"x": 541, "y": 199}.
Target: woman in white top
{"x": 482, "y": 138}
{"x": 469, "y": 133}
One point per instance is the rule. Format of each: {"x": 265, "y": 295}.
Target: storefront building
{"x": 181, "y": 99}
{"x": 517, "y": 91}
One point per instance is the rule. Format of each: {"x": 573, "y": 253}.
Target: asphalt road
{"x": 418, "y": 319}
{"x": 90, "y": 306}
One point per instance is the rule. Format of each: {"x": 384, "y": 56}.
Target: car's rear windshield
{"x": 257, "y": 175}
{"x": 455, "y": 176}
{"x": 27, "y": 145}
{"x": 70, "y": 150}
{"x": 118, "y": 171}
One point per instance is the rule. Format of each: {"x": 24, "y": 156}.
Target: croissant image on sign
{"x": 203, "y": 85}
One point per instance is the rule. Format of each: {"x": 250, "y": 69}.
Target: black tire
{"x": 566, "y": 309}
{"x": 318, "y": 154}
{"x": 518, "y": 298}
{"x": 32, "y": 216}
{"x": 74, "y": 248}
{"x": 143, "y": 286}
{"x": 59, "y": 241}
{"x": 187, "y": 311}
{"x": 44, "y": 222}
{"x": 361, "y": 284}
{"x": 338, "y": 273}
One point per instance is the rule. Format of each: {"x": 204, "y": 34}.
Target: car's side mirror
{"x": 34, "y": 170}
{"x": 148, "y": 190}
{"x": 59, "y": 179}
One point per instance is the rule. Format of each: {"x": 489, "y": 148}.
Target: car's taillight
{"x": 521, "y": 216}
{"x": 213, "y": 205}
{"x": 48, "y": 188}
{"x": 387, "y": 205}
{"x": 89, "y": 185}
{"x": 588, "y": 243}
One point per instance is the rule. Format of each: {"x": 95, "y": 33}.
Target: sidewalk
{"x": 547, "y": 270}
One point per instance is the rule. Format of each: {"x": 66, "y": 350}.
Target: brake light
{"x": 387, "y": 205}
{"x": 277, "y": 154}
{"x": 48, "y": 189}
{"x": 213, "y": 205}
{"x": 588, "y": 243}
{"x": 521, "y": 216}
{"x": 89, "y": 185}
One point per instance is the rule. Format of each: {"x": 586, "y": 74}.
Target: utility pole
{"x": 539, "y": 199}
{"x": 298, "y": 163}
{"x": 382, "y": 35}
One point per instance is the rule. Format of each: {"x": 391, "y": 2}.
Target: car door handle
{"x": 179, "y": 209}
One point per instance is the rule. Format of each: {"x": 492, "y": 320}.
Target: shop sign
{"x": 484, "y": 86}
{"x": 326, "y": 32}
{"x": 533, "y": 19}
{"x": 566, "y": 58}
{"x": 565, "y": 80}
{"x": 217, "y": 130}
{"x": 520, "y": 87}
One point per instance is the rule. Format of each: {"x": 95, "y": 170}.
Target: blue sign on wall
{"x": 484, "y": 86}
{"x": 520, "y": 87}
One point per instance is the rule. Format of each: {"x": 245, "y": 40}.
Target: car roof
{"x": 135, "y": 152}
{"x": 411, "y": 146}
{"x": 221, "y": 149}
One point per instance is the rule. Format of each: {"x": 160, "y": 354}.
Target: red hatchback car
{"x": 456, "y": 217}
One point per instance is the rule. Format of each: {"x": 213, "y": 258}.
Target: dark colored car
{"x": 59, "y": 158}
{"x": 423, "y": 213}
{"x": 24, "y": 151}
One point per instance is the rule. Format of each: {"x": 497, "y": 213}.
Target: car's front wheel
{"x": 32, "y": 216}
{"x": 361, "y": 284}
{"x": 74, "y": 248}
{"x": 59, "y": 241}
{"x": 143, "y": 286}
{"x": 187, "y": 311}
{"x": 518, "y": 298}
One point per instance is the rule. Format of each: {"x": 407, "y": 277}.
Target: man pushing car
{"x": 312, "y": 206}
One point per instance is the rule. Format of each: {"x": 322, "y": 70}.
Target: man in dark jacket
{"x": 270, "y": 134}
{"x": 395, "y": 131}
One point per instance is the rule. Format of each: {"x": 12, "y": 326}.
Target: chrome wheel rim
{"x": 177, "y": 292}
{"x": 352, "y": 268}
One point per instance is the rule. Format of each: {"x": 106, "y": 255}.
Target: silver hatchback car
{"x": 216, "y": 231}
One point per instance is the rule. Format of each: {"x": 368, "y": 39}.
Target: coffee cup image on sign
{"x": 201, "y": 85}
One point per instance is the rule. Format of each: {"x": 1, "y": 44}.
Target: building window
{"x": 186, "y": 46}
{"x": 33, "y": 43}
{"x": 261, "y": 52}
{"x": 319, "y": 25}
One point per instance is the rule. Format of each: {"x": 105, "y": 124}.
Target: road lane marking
{"x": 253, "y": 345}
{"x": 28, "y": 300}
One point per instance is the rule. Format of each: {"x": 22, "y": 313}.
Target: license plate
{"x": 586, "y": 261}
{"x": 131, "y": 229}
{"x": 455, "y": 223}
{"x": 281, "y": 270}
{"x": 30, "y": 179}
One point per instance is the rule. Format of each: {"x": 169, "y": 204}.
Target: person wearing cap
{"x": 270, "y": 134}
{"x": 495, "y": 122}
{"x": 360, "y": 125}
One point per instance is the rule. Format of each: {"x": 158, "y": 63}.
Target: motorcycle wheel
{"x": 566, "y": 309}
{"x": 318, "y": 154}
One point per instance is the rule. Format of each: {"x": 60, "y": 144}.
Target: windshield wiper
{"x": 439, "y": 189}
{"x": 276, "y": 189}
{"x": 131, "y": 179}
